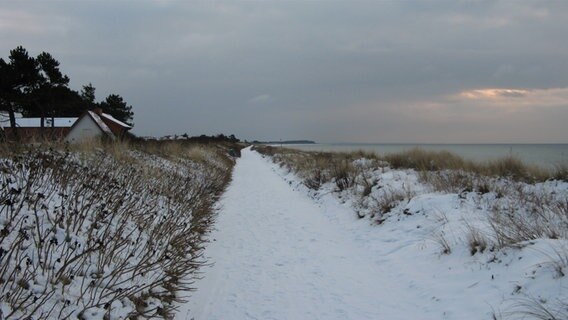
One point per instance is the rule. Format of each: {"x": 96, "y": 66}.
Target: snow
{"x": 36, "y": 122}
{"x": 113, "y": 119}
{"x": 281, "y": 251}
{"x": 101, "y": 124}
{"x": 90, "y": 236}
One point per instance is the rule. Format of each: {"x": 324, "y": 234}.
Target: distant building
{"x": 95, "y": 124}
{"x": 92, "y": 124}
{"x": 29, "y": 129}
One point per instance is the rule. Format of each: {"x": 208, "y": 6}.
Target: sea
{"x": 543, "y": 155}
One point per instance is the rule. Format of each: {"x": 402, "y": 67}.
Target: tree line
{"x": 36, "y": 87}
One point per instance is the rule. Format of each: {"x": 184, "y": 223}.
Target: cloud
{"x": 495, "y": 93}
{"x": 513, "y": 98}
{"x": 263, "y": 98}
{"x": 23, "y": 23}
{"x": 330, "y": 71}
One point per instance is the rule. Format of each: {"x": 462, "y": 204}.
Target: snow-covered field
{"x": 104, "y": 234}
{"x": 283, "y": 251}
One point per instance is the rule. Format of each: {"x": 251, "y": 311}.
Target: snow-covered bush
{"x": 93, "y": 236}
{"x": 484, "y": 211}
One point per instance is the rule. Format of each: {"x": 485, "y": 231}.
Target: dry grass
{"x": 440, "y": 239}
{"x": 518, "y": 209}
{"x": 113, "y": 222}
{"x": 7, "y": 148}
{"x": 528, "y": 216}
{"x": 518, "y": 214}
{"x": 533, "y": 308}
{"x": 509, "y": 166}
{"x": 557, "y": 257}
{"x": 317, "y": 168}
{"x": 561, "y": 172}
{"x": 476, "y": 240}
{"x": 514, "y": 168}
{"x": 197, "y": 152}
{"x": 420, "y": 160}
{"x": 385, "y": 201}
{"x": 345, "y": 173}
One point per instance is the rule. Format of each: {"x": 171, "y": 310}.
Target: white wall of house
{"x": 85, "y": 129}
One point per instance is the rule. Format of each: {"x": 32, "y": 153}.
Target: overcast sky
{"x": 332, "y": 71}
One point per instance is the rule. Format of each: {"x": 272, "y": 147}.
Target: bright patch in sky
{"x": 494, "y": 93}
{"x": 503, "y": 97}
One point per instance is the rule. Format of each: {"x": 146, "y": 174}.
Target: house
{"x": 91, "y": 124}
{"x": 29, "y": 129}
{"x": 94, "y": 124}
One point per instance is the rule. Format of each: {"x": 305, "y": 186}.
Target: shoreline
{"x": 547, "y": 156}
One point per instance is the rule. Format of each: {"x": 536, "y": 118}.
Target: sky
{"x": 398, "y": 71}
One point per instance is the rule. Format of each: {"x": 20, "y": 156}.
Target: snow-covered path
{"x": 277, "y": 256}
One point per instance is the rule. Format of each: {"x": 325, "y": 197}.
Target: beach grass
{"x": 517, "y": 213}
{"x": 420, "y": 160}
{"x": 514, "y": 198}
{"x": 105, "y": 223}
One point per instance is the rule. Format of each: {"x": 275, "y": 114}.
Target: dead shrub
{"x": 509, "y": 166}
{"x": 533, "y": 308}
{"x": 125, "y": 227}
{"x": 443, "y": 242}
{"x": 315, "y": 179}
{"x": 561, "y": 172}
{"x": 476, "y": 240}
{"x": 419, "y": 159}
{"x": 512, "y": 167}
{"x": 343, "y": 174}
{"x": 387, "y": 200}
{"x": 529, "y": 217}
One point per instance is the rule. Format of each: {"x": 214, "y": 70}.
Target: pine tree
{"x": 17, "y": 79}
{"x": 50, "y": 80}
{"x": 88, "y": 94}
{"x": 117, "y": 107}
